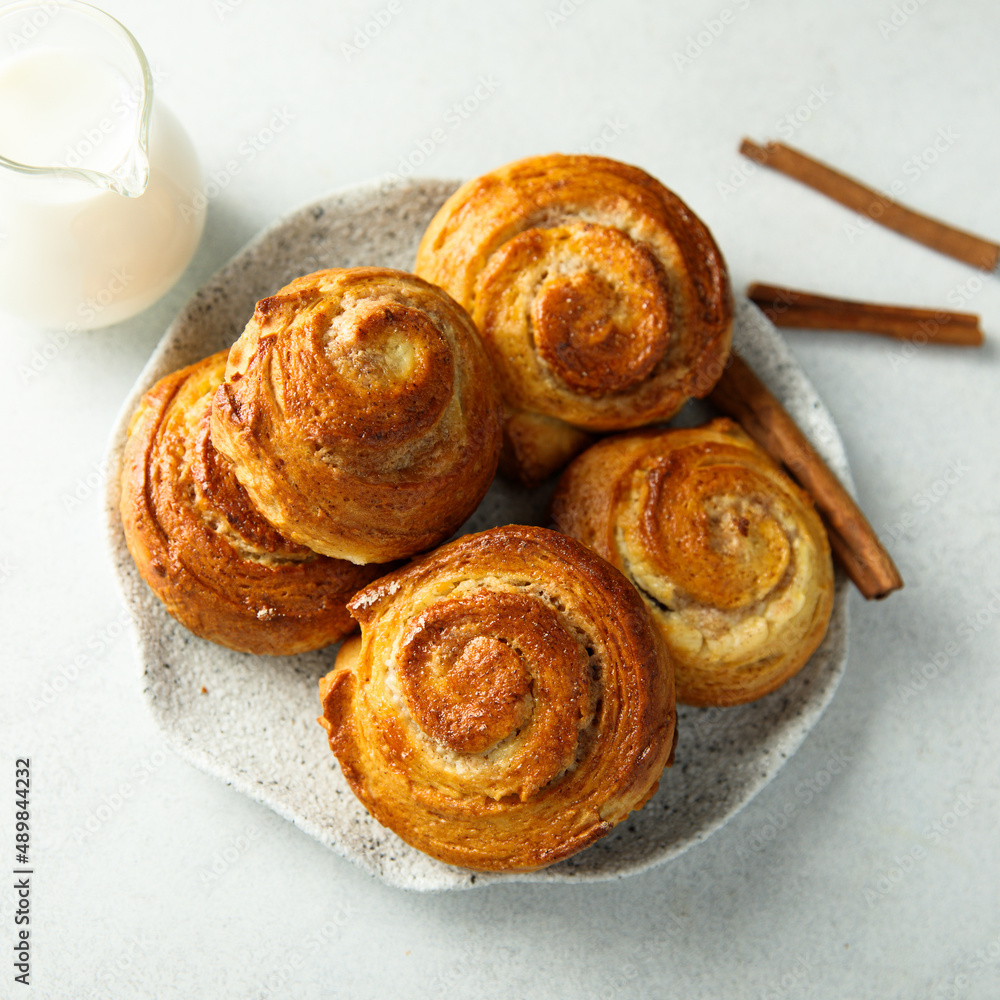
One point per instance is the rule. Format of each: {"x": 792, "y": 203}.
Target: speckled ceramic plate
{"x": 256, "y": 728}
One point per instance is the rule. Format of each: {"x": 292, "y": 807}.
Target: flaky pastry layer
{"x": 198, "y": 542}
{"x": 508, "y": 702}
{"x": 361, "y": 413}
{"x": 602, "y": 298}
{"x": 729, "y": 554}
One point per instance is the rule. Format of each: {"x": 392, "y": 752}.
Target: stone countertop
{"x": 869, "y": 866}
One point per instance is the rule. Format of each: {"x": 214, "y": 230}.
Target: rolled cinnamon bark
{"x": 741, "y": 395}
{"x": 878, "y": 207}
{"x": 787, "y": 307}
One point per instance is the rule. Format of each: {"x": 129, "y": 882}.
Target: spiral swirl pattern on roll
{"x": 361, "y": 413}
{"x": 602, "y": 298}
{"x": 198, "y": 542}
{"x": 729, "y": 554}
{"x": 508, "y": 702}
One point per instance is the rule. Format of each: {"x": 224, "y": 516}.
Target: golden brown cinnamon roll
{"x": 217, "y": 565}
{"x": 361, "y": 413}
{"x": 602, "y": 299}
{"x": 729, "y": 554}
{"x": 508, "y": 702}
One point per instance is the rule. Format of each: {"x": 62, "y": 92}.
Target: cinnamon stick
{"x": 741, "y": 395}
{"x": 878, "y": 207}
{"x": 788, "y": 307}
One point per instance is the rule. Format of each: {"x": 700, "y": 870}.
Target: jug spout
{"x": 76, "y": 101}
{"x": 100, "y": 188}
{"x": 131, "y": 175}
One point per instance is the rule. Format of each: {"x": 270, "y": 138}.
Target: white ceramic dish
{"x": 256, "y": 726}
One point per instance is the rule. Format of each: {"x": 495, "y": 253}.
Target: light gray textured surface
{"x": 251, "y": 720}
{"x": 869, "y": 865}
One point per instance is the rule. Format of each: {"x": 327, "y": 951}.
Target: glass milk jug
{"x": 100, "y": 188}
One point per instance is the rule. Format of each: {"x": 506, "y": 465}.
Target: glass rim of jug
{"x": 131, "y": 181}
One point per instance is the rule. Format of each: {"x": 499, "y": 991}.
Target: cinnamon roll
{"x": 729, "y": 554}
{"x": 601, "y": 297}
{"x": 361, "y": 413}
{"x": 508, "y": 701}
{"x": 217, "y": 565}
